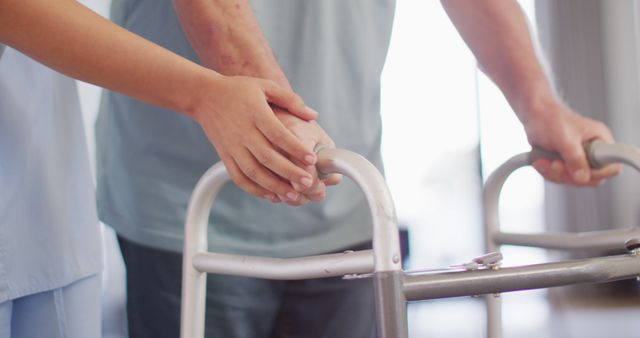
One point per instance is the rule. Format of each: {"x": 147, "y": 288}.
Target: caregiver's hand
{"x": 242, "y": 126}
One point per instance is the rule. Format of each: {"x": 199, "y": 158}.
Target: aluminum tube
{"x": 491, "y": 196}
{"x": 605, "y": 240}
{"x": 487, "y": 281}
{"x": 391, "y": 306}
{"x": 195, "y": 240}
{"x": 321, "y": 266}
{"x": 386, "y": 240}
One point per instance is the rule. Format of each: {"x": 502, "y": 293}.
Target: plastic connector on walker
{"x": 491, "y": 260}
{"x": 633, "y": 245}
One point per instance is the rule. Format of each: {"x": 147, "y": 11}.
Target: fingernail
{"x": 306, "y": 181}
{"x": 297, "y": 187}
{"x": 556, "y": 167}
{"x": 292, "y": 196}
{"x": 312, "y": 112}
{"x": 580, "y": 175}
{"x": 310, "y": 158}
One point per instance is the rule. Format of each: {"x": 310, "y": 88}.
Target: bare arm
{"x": 233, "y": 111}
{"x": 227, "y": 38}
{"x": 498, "y": 34}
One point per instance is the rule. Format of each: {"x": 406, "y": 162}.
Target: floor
{"x": 531, "y": 315}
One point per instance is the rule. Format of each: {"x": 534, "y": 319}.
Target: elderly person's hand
{"x": 310, "y": 134}
{"x": 558, "y": 128}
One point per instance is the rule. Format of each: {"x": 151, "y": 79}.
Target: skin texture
{"x": 235, "y": 112}
{"x": 227, "y": 38}
{"x": 498, "y": 34}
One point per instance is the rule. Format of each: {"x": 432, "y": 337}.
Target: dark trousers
{"x": 239, "y": 307}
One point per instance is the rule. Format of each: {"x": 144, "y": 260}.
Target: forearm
{"x": 70, "y": 38}
{"x": 498, "y": 34}
{"x": 227, "y": 37}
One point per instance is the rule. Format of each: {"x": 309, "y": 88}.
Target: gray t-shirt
{"x": 49, "y": 231}
{"x": 149, "y": 159}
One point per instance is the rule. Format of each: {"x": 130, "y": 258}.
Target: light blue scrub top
{"x": 149, "y": 159}
{"x": 49, "y": 234}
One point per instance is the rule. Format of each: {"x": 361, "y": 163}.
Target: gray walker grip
{"x": 599, "y": 154}
{"x": 539, "y": 153}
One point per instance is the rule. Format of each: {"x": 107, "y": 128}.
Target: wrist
{"x": 536, "y": 102}
{"x": 199, "y": 92}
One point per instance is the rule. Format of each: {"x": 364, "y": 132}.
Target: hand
{"x": 310, "y": 134}
{"x": 564, "y": 131}
{"x": 235, "y": 114}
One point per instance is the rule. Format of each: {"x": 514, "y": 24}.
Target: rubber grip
{"x": 589, "y": 148}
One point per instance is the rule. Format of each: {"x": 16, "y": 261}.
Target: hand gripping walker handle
{"x": 599, "y": 154}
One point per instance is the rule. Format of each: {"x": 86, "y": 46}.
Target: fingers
{"x": 557, "y": 128}
{"x": 553, "y": 171}
{"x": 317, "y": 191}
{"x": 284, "y": 139}
{"x": 576, "y": 162}
{"x": 238, "y": 177}
{"x": 288, "y": 100}
{"x": 557, "y": 172}
{"x": 333, "y": 179}
{"x": 281, "y": 166}
{"x": 606, "y": 172}
{"x": 252, "y": 177}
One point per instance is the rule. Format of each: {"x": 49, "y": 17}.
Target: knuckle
{"x": 251, "y": 172}
{"x": 265, "y": 159}
{"x": 278, "y": 135}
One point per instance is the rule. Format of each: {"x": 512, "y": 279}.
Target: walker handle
{"x": 599, "y": 154}
{"x": 539, "y": 153}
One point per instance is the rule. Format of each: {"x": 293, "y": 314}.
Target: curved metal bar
{"x": 604, "y": 240}
{"x": 386, "y": 243}
{"x": 386, "y": 240}
{"x": 599, "y": 154}
{"x": 194, "y": 282}
{"x": 491, "y": 196}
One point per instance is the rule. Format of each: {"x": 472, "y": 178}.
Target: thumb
{"x": 288, "y": 100}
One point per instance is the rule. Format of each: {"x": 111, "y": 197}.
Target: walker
{"x": 393, "y": 286}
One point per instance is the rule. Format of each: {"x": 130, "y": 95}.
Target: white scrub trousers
{"x": 72, "y": 311}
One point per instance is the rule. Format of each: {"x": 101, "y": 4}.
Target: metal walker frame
{"x": 393, "y": 286}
